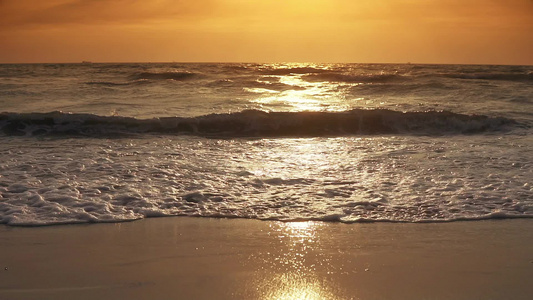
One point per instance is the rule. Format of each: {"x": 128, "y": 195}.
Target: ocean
{"x": 106, "y": 142}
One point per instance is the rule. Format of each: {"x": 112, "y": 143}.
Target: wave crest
{"x": 254, "y": 123}
{"x": 178, "y": 76}
{"x": 494, "y": 76}
{"x": 113, "y": 84}
{"x": 339, "y": 77}
{"x": 296, "y": 70}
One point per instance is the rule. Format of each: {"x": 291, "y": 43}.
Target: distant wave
{"x": 254, "y": 123}
{"x": 275, "y": 86}
{"x": 299, "y": 70}
{"x": 397, "y": 88}
{"x": 493, "y": 76}
{"x": 394, "y": 77}
{"x": 179, "y": 76}
{"x": 362, "y": 78}
{"x": 110, "y": 83}
{"x": 254, "y": 84}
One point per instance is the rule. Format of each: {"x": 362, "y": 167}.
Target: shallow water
{"x": 286, "y": 142}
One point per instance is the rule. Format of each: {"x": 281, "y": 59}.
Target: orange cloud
{"x": 65, "y": 12}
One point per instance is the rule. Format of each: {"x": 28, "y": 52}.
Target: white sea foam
{"x": 401, "y": 179}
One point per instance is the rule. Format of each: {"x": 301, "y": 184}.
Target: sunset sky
{"x": 418, "y": 31}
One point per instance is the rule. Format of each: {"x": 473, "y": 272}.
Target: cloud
{"x": 475, "y": 31}
{"x": 31, "y": 13}
{"x": 36, "y": 13}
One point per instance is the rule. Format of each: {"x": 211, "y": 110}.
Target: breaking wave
{"x": 254, "y": 123}
{"x": 364, "y": 78}
{"x": 179, "y": 76}
{"x": 299, "y": 70}
{"x": 112, "y": 84}
{"x": 494, "y": 76}
{"x": 251, "y": 85}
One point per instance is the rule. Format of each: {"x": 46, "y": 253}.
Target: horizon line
{"x": 88, "y": 62}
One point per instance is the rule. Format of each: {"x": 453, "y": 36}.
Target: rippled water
{"x": 348, "y": 143}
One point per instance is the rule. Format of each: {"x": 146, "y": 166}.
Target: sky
{"x": 359, "y": 31}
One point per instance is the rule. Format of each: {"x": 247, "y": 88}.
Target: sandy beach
{"x": 197, "y": 258}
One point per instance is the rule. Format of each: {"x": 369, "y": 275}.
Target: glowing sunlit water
{"x": 304, "y": 96}
{"x": 95, "y": 169}
{"x": 291, "y": 272}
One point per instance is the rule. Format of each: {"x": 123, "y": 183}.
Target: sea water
{"x": 334, "y": 142}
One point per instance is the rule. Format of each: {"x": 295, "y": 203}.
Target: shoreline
{"x": 491, "y": 217}
{"x": 207, "y": 258}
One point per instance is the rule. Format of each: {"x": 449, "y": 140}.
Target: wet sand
{"x": 200, "y": 258}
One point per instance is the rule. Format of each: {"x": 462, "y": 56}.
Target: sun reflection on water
{"x": 292, "y": 273}
{"x": 292, "y": 286}
{"x": 300, "y": 229}
{"x": 299, "y": 94}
